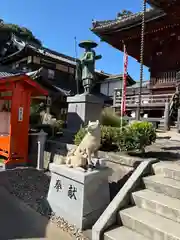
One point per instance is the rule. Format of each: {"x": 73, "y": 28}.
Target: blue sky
{"x": 57, "y": 22}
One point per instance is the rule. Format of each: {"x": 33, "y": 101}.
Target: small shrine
{"x": 16, "y": 91}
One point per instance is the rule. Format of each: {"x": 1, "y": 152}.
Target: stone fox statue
{"x": 81, "y": 156}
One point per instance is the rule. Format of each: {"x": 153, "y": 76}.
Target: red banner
{"x": 125, "y": 66}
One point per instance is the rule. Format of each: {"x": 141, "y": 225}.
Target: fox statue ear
{"x": 89, "y": 122}
{"x": 97, "y": 121}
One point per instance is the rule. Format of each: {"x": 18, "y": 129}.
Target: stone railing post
{"x": 114, "y": 97}
{"x": 166, "y": 117}
{"x": 178, "y": 121}
{"x": 41, "y": 146}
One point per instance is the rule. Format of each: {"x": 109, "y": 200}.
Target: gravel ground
{"x": 31, "y": 186}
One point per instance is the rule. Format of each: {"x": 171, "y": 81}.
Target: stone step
{"x": 158, "y": 203}
{"x": 124, "y": 234}
{"x": 161, "y": 124}
{"x": 174, "y": 127}
{"x": 149, "y": 224}
{"x": 118, "y": 177}
{"x": 170, "y": 169}
{"x": 118, "y": 171}
{"x": 160, "y": 184}
{"x": 123, "y": 159}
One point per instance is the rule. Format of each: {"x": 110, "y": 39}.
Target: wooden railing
{"x": 164, "y": 78}
{"x": 146, "y": 100}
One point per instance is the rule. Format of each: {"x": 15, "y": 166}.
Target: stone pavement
{"x": 172, "y": 134}
{"x": 18, "y": 221}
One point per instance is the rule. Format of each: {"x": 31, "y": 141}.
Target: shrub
{"x": 35, "y": 117}
{"x": 79, "y": 136}
{"x": 137, "y": 136}
{"x": 109, "y": 118}
{"x": 58, "y": 124}
{"x": 109, "y": 137}
{"x": 133, "y": 137}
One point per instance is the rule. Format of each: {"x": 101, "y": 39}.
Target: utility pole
{"x": 141, "y": 59}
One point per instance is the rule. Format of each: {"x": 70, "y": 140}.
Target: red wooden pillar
{"x": 14, "y": 146}
{"x": 20, "y": 111}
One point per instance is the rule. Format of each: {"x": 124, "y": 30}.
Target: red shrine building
{"x": 161, "y": 53}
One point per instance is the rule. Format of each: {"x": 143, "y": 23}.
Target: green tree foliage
{"x": 21, "y": 32}
{"x": 124, "y": 13}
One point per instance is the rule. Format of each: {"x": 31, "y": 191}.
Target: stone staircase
{"x": 173, "y": 127}
{"x": 155, "y": 214}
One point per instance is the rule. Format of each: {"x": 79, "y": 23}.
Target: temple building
{"x": 161, "y": 52}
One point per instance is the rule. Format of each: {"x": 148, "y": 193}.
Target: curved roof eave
{"x": 126, "y": 23}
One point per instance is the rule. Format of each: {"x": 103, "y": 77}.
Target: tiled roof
{"x": 22, "y": 47}
{"x": 128, "y": 21}
{"x": 52, "y": 54}
{"x": 12, "y": 73}
{"x": 6, "y": 74}
{"x": 61, "y": 57}
{"x": 114, "y": 76}
{"x": 34, "y": 75}
{"x": 66, "y": 93}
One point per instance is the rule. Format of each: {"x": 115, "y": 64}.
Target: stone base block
{"x": 79, "y": 197}
{"x": 81, "y": 109}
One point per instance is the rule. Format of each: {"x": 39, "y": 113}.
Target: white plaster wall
{"x": 107, "y": 88}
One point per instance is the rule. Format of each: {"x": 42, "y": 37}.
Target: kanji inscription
{"x": 58, "y": 185}
{"x": 71, "y": 192}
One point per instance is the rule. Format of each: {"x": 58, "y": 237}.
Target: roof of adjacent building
{"x": 6, "y": 73}
{"x": 43, "y": 51}
{"x": 127, "y": 21}
{"x": 117, "y": 77}
{"x": 53, "y": 54}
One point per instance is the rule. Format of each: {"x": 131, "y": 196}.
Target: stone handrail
{"x": 108, "y": 217}
{"x": 171, "y": 103}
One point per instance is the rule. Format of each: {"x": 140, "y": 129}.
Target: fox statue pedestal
{"x": 81, "y": 109}
{"x": 78, "y": 197}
